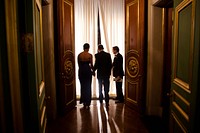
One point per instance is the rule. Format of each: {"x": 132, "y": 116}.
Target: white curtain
{"x": 86, "y": 30}
{"x": 112, "y": 28}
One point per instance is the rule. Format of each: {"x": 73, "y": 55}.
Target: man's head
{"x": 100, "y": 48}
{"x": 115, "y": 49}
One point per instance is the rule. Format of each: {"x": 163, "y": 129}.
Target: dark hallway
{"x": 117, "y": 118}
{"x": 161, "y": 67}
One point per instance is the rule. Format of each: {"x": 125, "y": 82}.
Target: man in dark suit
{"x": 118, "y": 73}
{"x": 103, "y": 65}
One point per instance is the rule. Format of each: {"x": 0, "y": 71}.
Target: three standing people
{"x": 103, "y": 65}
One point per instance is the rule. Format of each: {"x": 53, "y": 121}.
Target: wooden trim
{"x": 182, "y": 84}
{"x": 180, "y": 110}
{"x": 40, "y": 84}
{"x": 13, "y": 63}
{"x": 41, "y": 88}
{"x": 43, "y": 116}
{"x": 175, "y": 118}
{"x": 181, "y": 98}
{"x": 163, "y": 3}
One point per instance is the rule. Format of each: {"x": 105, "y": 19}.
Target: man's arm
{"x": 96, "y": 63}
{"x": 119, "y": 64}
{"x": 110, "y": 62}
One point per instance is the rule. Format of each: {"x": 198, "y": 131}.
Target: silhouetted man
{"x": 118, "y": 73}
{"x": 103, "y": 65}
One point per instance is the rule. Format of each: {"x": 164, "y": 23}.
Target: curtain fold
{"x": 86, "y": 30}
{"x": 112, "y": 29}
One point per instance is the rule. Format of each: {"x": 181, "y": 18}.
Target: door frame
{"x": 166, "y": 80}
{"x": 13, "y": 63}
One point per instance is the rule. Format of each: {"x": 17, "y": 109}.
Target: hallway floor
{"x": 117, "y": 118}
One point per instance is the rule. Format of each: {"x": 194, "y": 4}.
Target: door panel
{"x": 66, "y": 59}
{"x": 68, "y": 26}
{"x": 39, "y": 65}
{"x": 134, "y": 52}
{"x": 182, "y": 68}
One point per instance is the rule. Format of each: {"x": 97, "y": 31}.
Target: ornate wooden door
{"x": 185, "y": 66}
{"x": 65, "y": 55}
{"x": 134, "y": 54}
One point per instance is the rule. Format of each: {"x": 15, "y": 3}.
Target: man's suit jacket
{"x": 118, "y": 66}
{"x": 103, "y": 64}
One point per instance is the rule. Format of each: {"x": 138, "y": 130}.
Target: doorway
{"x": 134, "y": 49}
{"x": 99, "y": 22}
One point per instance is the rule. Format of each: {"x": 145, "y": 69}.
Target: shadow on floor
{"x": 155, "y": 124}
{"x": 117, "y": 118}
